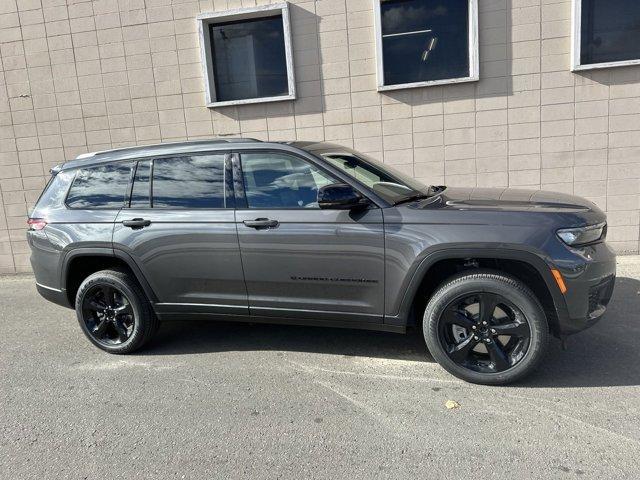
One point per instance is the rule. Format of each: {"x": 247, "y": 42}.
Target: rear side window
{"x": 54, "y": 193}
{"x": 189, "y": 182}
{"x": 104, "y": 186}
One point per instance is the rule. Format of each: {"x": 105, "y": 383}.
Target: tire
{"x": 508, "y": 355}
{"x": 129, "y": 325}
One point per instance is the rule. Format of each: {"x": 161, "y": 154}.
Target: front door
{"x": 180, "y": 230}
{"x": 300, "y": 261}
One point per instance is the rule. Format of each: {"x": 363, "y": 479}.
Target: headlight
{"x": 576, "y": 237}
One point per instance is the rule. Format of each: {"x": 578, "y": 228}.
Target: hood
{"x": 512, "y": 200}
{"x": 502, "y": 206}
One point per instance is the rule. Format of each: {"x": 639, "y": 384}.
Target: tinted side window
{"x": 189, "y": 182}
{"x": 274, "y": 180}
{"x": 141, "y": 185}
{"x": 100, "y": 187}
{"x": 55, "y": 192}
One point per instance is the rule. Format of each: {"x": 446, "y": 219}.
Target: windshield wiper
{"x": 433, "y": 190}
{"x": 411, "y": 198}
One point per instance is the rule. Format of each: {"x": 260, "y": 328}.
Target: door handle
{"x": 259, "y": 223}
{"x": 136, "y": 223}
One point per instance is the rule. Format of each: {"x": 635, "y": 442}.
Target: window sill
{"x": 432, "y": 83}
{"x": 598, "y": 66}
{"x": 247, "y": 101}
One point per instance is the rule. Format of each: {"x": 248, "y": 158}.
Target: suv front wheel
{"x": 114, "y": 313}
{"x": 485, "y": 327}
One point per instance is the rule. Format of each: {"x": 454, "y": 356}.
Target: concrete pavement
{"x": 210, "y": 400}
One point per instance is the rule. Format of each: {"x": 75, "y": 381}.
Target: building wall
{"x": 79, "y": 76}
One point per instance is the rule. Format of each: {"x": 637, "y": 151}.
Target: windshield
{"x": 388, "y": 183}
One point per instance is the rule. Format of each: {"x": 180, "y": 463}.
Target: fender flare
{"x": 506, "y": 252}
{"x": 105, "y": 252}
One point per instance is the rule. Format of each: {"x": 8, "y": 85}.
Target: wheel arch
{"x": 79, "y": 263}
{"x": 526, "y": 266}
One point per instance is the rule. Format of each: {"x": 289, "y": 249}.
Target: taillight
{"x": 36, "y": 223}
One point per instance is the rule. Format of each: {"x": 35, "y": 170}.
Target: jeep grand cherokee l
{"x": 317, "y": 234}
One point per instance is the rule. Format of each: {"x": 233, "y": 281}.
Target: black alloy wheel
{"x": 484, "y": 332}
{"x": 114, "y": 312}
{"x": 108, "y": 315}
{"x": 486, "y": 327}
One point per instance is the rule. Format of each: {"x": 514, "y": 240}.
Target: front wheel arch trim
{"x": 458, "y": 253}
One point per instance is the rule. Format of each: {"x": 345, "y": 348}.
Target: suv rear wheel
{"x": 485, "y": 327}
{"x": 114, "y": 313}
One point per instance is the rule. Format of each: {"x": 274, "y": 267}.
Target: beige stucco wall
{"x": 79, "y": 76}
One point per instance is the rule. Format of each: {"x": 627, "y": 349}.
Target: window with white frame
{"x": 606, "y": 33}
{"x": 426, "y": 42}
{"x": 246, "y": 55}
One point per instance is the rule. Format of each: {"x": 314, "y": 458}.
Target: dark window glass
{"x": 100, "y": 187}
{"x": 281, "y": 181}
{"x": 249, "y": 59}
{"x": 141, "y": 185}
{"x": 56, "y": 190}
{"x": 610, "y": 31}
{"x": 425, "y": 40}
{"x": 189, "y": 182}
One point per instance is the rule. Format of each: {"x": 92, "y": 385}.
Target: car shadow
{"x": 189, "y": 337}
{"x": 606, "y": 355}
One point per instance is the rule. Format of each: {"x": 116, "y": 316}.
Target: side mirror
{"x": 340, "y": 196}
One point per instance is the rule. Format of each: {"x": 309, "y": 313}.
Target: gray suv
{"x": 317, "y": 234}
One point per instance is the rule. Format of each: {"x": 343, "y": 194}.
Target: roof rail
{"x": 195, "y": 142}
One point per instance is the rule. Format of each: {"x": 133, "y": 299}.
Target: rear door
{"x": 179, "y": 228}
{"x": 80, "y": 207}
{"x": 300, "y": 261}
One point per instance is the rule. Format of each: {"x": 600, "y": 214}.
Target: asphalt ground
{"x": 220, "y": 400}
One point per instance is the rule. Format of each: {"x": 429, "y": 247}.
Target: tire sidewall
{"x": 504, "y": 286}
{"x": 107, "y": 279}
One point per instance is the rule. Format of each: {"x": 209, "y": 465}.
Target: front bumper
{"x": 590, "y": 280}
{"x": 53, "y": 295}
